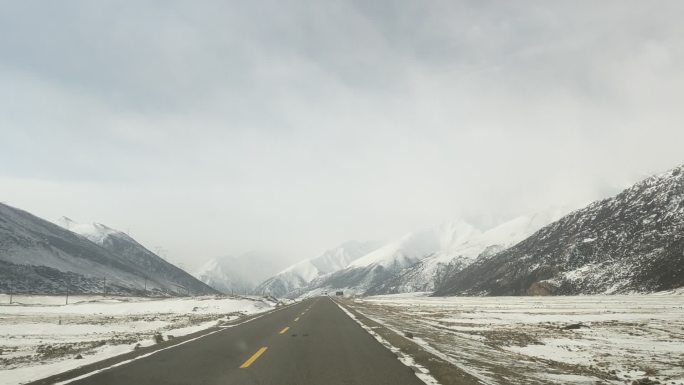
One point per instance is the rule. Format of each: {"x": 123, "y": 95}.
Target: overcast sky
{"x": 216, "y": 127}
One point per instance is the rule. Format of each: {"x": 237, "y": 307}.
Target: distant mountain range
{"x": 463, "y": 248}
{"x": 633, "y": 242}
{"x": 291, "y": 281}
{"x": 240, "y": 274}
{"x": 38, "y": 256}
{"x": 414, "y": 262}
{"x": 419, "y": 261}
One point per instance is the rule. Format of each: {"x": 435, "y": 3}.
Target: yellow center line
{"x": 296, "y": 319}
{"x": 253, "y": 358}
{"x": 285, "y": 330}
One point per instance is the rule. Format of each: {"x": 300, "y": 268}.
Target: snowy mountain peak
{"x": 414, "y": 246}
{"x": 48, "y": 254}
{"x": 220, "y": 274}
{"x": 631, "y": 242}
{"x": 673, "y": 173}
{"x": 238, "y": 274}
{"x": 302, "y": 273}
{"x": 210, "y": 265}
{"x": 332, "y": 259}
{"x": 94, "y": 232}
{"x": 417, "y": 261}
{"x": 455, "y": 232}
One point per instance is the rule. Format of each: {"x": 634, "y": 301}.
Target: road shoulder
{"x": 426, "y": 364}
{"x": 95, "y": 367}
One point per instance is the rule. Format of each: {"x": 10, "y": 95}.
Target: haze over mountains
{"x": 414, "y": 262}
{"x": 38, "y": 256}
{"x": 237, "y": 274}
{"x": 417, "y": 261}
{"x": 461, "y": 250}
{"x": 633, "y": 242}
{"x": 292, "y": 280}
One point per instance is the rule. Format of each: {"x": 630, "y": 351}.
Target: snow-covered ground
{"x": 41, "y": 336}
{"x": 521, "y": 340}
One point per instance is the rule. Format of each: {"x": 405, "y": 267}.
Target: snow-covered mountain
{"x": 290, "y": 281}
{"x": 94, "y": 232}
{"x": 379, "y": 266}
{"x": 238, "y": 275}
{"x": 631, "y": 242}
{"x": 41, "y": 257}
{"x": 461, "y": 249}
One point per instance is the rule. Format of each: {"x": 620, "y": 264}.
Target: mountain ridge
{"x": 44, "y": 257}
{"x": 237, "y": 274}
{"x": 631, "y": 242}
{"x": 418, "y": 260}
{"x": 427, "y": 273}
{"x": 295, "y": 278}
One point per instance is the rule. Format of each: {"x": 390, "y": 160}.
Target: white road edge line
{"x": 222, "y": 328}
{"x": 423, "y": 374}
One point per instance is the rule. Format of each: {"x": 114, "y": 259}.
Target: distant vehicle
{"x": 339, "y": 293}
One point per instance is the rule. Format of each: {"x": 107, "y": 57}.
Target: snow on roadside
{"x": 521, "y": 340}
{"x": 421, "y": 372}
{"x": 40, "y": 336}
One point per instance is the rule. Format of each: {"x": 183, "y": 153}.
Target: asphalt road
{"x": 310, "y": 343}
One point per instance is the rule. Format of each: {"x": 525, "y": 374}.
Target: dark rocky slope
{"x": 633, "y": 242}
{"x": 37, "y": 256}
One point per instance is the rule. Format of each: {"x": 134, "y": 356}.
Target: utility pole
{"x": 11, "y": 287}
{"x": 104, "y": 286}
{"x": 67, "y": 291}
{"x": 145, "y": 286}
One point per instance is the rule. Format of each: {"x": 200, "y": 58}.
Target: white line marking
{"x": 221, "y": 328}
{"x": 424, "y": 375}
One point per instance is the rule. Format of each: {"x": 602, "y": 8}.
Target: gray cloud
{"x": 222, "y": 127}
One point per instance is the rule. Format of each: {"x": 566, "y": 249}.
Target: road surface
{"x": 310, "y": 343}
